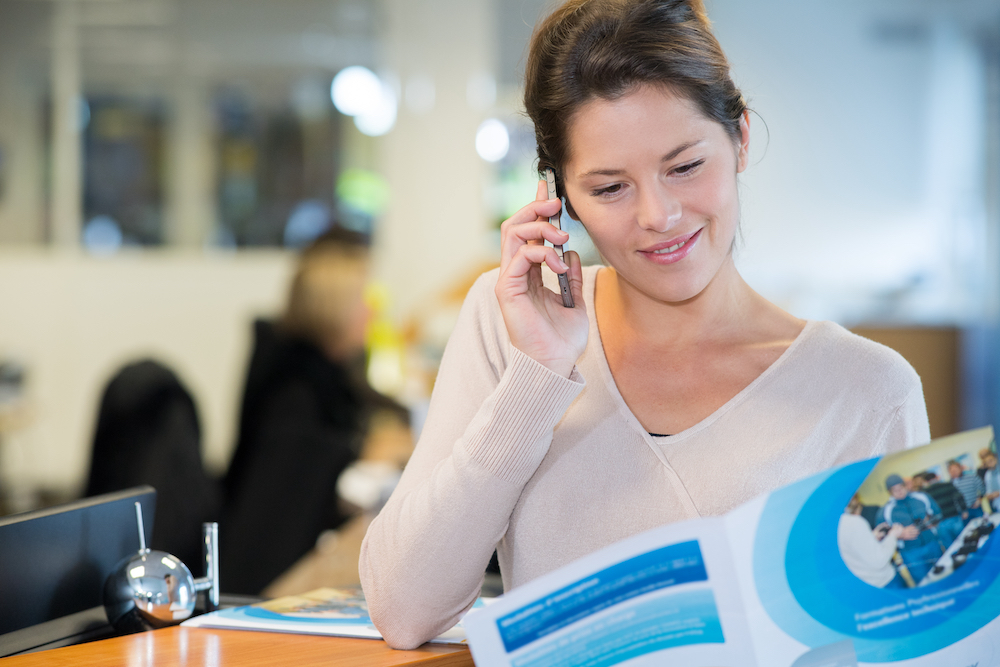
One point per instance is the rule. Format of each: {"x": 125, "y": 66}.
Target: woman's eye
{"x": 688, "y": 168}
{"x": 610, "y": 190}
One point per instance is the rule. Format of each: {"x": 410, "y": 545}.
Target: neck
{"x": 720, "y": 312}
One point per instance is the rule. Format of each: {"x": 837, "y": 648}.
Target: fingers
{"x": 528, "y": 256}
{"x": 542, "y": 192}
{"x": 523, "y": 237}
{"x": 529, "y": 233}
{"x": 538, "y": 210}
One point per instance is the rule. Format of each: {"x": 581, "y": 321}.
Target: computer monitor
{"x": 53, "y": 564}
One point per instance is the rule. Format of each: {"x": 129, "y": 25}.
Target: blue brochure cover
{"x": 889, "y": 561}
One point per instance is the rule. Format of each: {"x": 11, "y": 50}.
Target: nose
{"x": 658, "y": 210}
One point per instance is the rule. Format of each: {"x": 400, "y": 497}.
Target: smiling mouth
{"x": 673, "y": 248}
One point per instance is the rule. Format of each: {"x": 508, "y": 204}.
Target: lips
{"x": 673, "y": 250}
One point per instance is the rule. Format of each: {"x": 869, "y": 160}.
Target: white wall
{"x": 74, "y": 320}
{"x": 864, "y": 199}
{"x": 437, "y": 224}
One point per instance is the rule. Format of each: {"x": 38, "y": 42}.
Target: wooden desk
{"x": 190, "y": 647}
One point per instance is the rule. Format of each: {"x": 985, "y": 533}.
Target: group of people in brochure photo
{"x": 928, "y": 526}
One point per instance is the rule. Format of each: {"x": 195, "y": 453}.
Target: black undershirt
{"x": 660, "y": 435}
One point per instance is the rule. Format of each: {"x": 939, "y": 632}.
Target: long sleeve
{"x": 491, "y": 418}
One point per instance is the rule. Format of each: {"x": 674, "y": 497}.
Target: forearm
{"x": 423, "y": 558}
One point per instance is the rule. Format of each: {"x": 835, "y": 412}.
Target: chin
{"x": 676, "y": 296}
{"x": 671, "y": 290}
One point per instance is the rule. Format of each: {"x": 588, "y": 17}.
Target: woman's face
{"x": 654, "y": 182}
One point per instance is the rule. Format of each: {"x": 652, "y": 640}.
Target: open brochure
{"x": 340, "y": 612}
{"x": 802, "y": 577}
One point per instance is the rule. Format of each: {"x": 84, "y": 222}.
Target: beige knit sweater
{"x": 547, "y": 469}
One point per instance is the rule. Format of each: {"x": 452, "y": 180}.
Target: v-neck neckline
{"x": 633, "y": 421}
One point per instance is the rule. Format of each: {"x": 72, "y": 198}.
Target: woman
{"x": 303, "y": 416}
{"x": 671, "y": 390}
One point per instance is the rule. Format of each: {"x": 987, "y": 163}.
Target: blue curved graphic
{"x": 810, "y": 594}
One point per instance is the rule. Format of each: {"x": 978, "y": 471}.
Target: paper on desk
{"x": 339, "y": 612}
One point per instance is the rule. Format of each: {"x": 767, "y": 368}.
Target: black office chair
{"x": 148, "y": 433}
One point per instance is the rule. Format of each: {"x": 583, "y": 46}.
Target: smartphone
{"x": 567, "y": 295}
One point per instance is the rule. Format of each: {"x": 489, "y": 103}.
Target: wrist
{"x": 561, "y": 367}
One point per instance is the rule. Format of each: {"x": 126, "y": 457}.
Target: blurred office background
{"x": 160, "y": 161}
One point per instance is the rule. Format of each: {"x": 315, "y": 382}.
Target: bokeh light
{"x": 492, "y": 140}
{"x": 355, "y": 90}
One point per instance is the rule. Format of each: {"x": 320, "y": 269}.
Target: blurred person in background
{"x": 305, "y": 413}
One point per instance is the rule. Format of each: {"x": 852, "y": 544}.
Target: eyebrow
{"x": 666, "y": 158}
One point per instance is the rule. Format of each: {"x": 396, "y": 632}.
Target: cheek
{"x": 606, "y": 231}
{"x": 714, "y": 197}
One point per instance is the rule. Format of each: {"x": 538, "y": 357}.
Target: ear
{"x": 743, "y": 154}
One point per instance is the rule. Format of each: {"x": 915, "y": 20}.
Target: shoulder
{"x": 481, "y": 303}
{"x": 479, "y": 329}
{"x": 484, "y": 286}
{"x": 869, "y": 367}
{"x": 858, "y": 354}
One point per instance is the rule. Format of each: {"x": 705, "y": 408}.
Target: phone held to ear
{"x": 567, "y": 295}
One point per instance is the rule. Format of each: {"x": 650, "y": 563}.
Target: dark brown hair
{"x": 590, "y": 49}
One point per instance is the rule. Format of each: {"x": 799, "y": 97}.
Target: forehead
{"x": 646, "y": 120}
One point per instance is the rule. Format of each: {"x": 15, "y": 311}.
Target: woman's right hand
{"x": 537, "y": 322}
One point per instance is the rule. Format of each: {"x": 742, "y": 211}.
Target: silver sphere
{"x": 149, "y": 589}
